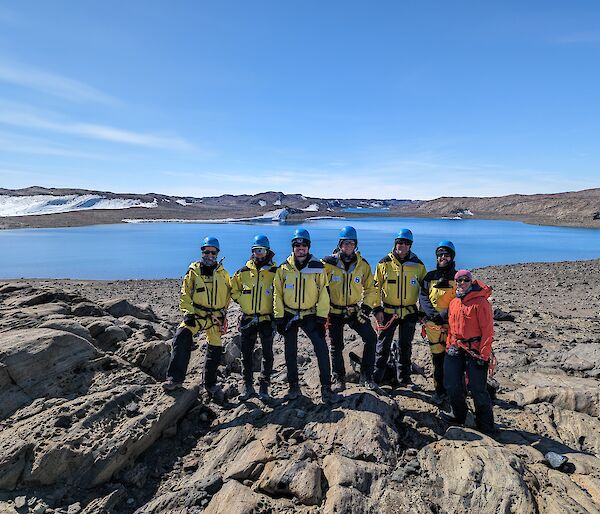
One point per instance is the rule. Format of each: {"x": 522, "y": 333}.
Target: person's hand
{"x": 379, "y": 318}
{"x": 437, "y": 319}
{"x": 364, "y": 313}
{"x": 190, "y": 320}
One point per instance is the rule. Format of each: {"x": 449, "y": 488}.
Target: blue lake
{"x": 164, "y": 250}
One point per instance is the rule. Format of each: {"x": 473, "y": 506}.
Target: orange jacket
{"x": 471, "y": 316}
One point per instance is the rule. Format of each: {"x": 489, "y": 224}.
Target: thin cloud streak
{"x": 93, "y": 131}
{"x": 52, "y": 84}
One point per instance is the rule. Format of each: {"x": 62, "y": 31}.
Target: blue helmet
{"x": 261, "y": 241}
{"x": 446, "y": 244}
{"x": 302, "y": 235}
{"x": 405, "y": 234}
{"x": 348, "y": 232}
{"x": 210, "y": 241}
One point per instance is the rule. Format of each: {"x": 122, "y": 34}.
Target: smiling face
{"x": 300, "y": 249}
{"x": 463, "y": 283}
{"x": 347, "y": 246}
{"x": 402, "y": 247}
{"x": 444, "y": 257}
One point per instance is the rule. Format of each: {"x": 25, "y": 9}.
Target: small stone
{"x": 300, "y": 413}
{"x": 74, "y": 508}
{"x": 532, "y": 335}
{"x": 20, "y": 501}
{"x": 132, "y": 408}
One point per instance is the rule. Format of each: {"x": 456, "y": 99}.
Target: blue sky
{"x": 343, "y": 98}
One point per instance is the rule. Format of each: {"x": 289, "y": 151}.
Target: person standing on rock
{"x": 468, "y": 351}
{"x": 437, "y": 291}
{"x": 205, "y": 296}
{"x": 252, "y": 289}
{"x": 352, "y": 296}
{"x": 398, "y": 280}
{"x": 301, "y": 300}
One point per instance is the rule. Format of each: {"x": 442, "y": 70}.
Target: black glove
{"x": 190, "y": 320}
{"x": 321, "y": 321}
{"x": 280, "y": 326}
{"x": 363, "y": 315}
{"x": 438, "y": 319}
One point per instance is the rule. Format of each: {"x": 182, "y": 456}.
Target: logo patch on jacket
{"x": 336, "y": 278}
{"x": 357, "y": 280}
{"x": 267, "y": 291}
{"x": 289, "y": 286}
{"x": 413, "y": 281}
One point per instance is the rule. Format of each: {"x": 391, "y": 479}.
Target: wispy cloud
{"x": 51, "y": 83}
{"x": 590, "y": 36}
{"x": 32, "y": 120}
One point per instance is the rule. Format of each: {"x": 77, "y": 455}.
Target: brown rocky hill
{"x": 86, "y": 427}
{"x": 580, "y": 208}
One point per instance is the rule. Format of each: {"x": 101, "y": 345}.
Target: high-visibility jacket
{"x": 471, "y": 321}
{"x": 205, "y": 295}
{"x": 437, "y": 291}
{"x": 300, "y": 292}
{"x": 252, "y": 289}
{"x": 398, "y": 284}
{"x": 349, "y": 287}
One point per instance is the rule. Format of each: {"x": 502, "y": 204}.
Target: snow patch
{"x": 48, "y": 204}
{"x": 262, "y": 203}
{"x": 277, "y": 215}
{"x": 277, "y": 202}
{"x": 311, "y": 208}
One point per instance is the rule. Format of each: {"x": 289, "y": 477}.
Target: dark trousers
{"x": 457, "y": 363}
{"x": 406, "y": 332}
{"x": 317, "y": 337}
{"x": 180, "y": 358}
{"x": 367, "y": 334}
{"x": 438, "y": 372}
{"x": 264, "y": 329}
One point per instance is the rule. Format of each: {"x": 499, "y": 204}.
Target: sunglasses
{"x": 259, "y": 250}
{"x": 444, "y": 254}
{"x": 209, "y": 252}
{"x": 461, "y": 280}
{"x": 403, "y": 242}
{"x": 298, "y": 245}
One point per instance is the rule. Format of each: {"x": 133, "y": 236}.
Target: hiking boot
{"x": 248, "y": 392}
{"x": 370, "y": 384}
{"x": 339, "y": 385}
{"x": 438, "y": 398}
{"x": 215, "y": 394}
{"x": 450, "y": 418}
{"x": 171, "y": 385}
{"x": 293, "y": 394}
{"x": 263, "y": 392}
{"x": 329, "y": 397}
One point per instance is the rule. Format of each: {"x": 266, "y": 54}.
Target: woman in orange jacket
{"x": 468, "y": 351}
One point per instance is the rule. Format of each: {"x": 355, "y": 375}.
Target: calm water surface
{"x": 164, "y": 250}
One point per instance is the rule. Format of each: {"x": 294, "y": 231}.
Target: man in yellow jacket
{"x": 352, "y": 296}
{"x": 398, "y": 281}
{"x": 301, "y": 300}
{"x": 205, "y": 295}
{"x": 252, "y": 289}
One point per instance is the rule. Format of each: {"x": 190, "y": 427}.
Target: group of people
{"x": 341, "y": 289}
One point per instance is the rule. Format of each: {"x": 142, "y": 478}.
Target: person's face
{"x": 444, "y": 257}
{"x": 209, "y": 254}
{"x": 347, "y": 246}
{"x": 402, "y": 247}
{"x": 258, "y": 254}
{"x": 463, "y": 283}
{"x": 300, "y": 249}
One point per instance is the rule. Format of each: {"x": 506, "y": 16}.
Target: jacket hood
{"x": 478, "y": 290}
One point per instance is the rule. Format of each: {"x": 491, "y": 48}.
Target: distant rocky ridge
{"x": 86, "y": 428}
{"x": 580, "y": 209}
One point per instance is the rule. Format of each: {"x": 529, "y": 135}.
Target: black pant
{"x": 438, "y": 372}
{"x": 317, "y": 337}
{"x": 406, "y": 332}
{"x": 180, "y": 358}
{"x": 249, "y": 336}
{"x": 456, "y": 364}
{"x": 367, "y": 334}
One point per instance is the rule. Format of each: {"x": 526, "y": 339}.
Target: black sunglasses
{"x": 444, "y": 254}
{"x": 463, "y": 279}
{"x": 210, "y": 252}
{"x": 296, "y": 245}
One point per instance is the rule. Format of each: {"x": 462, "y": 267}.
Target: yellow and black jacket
{"x": 300, "y": 291}
{"x": 205, "y": 295}
{"x": 349, "y": 287}
{"x": 398, "y": 284}
{"x": 252, "y": 289}
{"x": 437, "y": 291}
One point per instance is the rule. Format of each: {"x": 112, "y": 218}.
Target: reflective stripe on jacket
{"x": 398, "y": 283}
{"x": 301, "y": 292}
{"x": 350, "y": 287}
{"x": 205, "y": 295}
{"x": 252, "y": 288}
{"x": 471, "y": 317}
